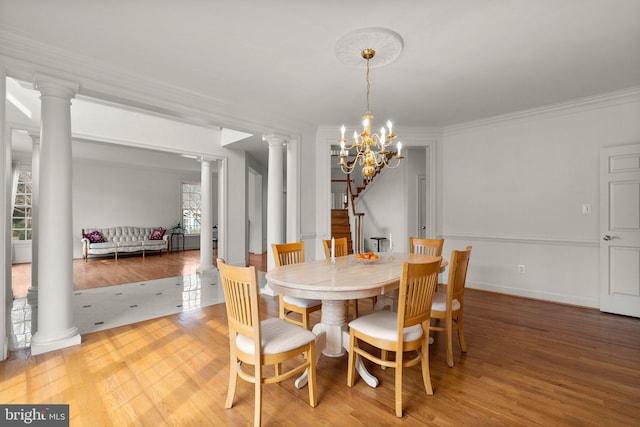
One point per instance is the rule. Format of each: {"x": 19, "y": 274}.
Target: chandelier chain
{"x": 368, "y": 87}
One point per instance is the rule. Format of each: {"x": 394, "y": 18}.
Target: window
{"x": 22, "y": 214}
{"x": 191, "y": 207}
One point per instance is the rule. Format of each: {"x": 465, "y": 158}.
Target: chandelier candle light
{"x": 366, "y": 143}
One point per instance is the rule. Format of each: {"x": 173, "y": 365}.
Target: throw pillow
{"x": 95, "y": 237}
{"x": 157, "y": 234}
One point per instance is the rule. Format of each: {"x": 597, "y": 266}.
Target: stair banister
{"x": 357, "y": 215}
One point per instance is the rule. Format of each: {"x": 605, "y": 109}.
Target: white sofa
{"x": 122, "y": 240}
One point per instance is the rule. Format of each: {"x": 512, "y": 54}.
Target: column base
{"x": 41, "y": 345}
{"x": 206, "y": 269}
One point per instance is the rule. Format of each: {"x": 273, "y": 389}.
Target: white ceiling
{"x": 463, "y": 60}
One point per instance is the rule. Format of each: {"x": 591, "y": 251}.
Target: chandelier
{"x": 370, "y": 149}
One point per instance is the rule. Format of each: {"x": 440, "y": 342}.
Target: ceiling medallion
{"x": 387, "y": 44}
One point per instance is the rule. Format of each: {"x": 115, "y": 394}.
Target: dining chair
{"x": 448, "y": 302}
{"x": 341, "y": 249}
{"x": 404, "y": 331}
{"x": 431, "y": 247}
{"x": 261, "y": 343}
{"x": 293, "y": 253}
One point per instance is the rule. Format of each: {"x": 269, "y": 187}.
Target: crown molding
{"x": 24, "y": 57}
{"x": 624, "y": 96}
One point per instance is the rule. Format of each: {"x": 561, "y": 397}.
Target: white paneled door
{"x": 620, "y": 230}
{"x": 422, "y": 207}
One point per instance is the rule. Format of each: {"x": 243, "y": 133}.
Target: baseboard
{"x": 539, "y": 295}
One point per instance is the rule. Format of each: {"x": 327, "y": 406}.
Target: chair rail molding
{"x": 591, "y": 243}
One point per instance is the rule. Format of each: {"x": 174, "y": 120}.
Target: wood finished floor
{"x": 106, "y": 271}
{"x": 529, "y": 363}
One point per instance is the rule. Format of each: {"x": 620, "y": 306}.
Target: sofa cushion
{"x": 95, "y": 237}
{"x": 154, "y": 244}
{"x": 157, "y": 234}
{"x": 129, "y": 244}
{"x": 102, "y": 245}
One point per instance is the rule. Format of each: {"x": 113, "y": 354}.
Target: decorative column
{"x": 275, "y": 197}
{"x": 206, "y": 230}
{"x": 56, "y": 328}
{"x": 32, "y": 295}
{"x": 293, "y": 183}
{"x": 222, "y": 207}
{"x": 6, "y": 300}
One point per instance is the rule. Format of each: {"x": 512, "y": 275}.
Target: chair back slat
{"x": 431, "y": 247}
{"x": 417, "y": 286}
{"x": 341, "y": 247}
{"x": 288, "y": 253}
{"x": 240, "y": 286}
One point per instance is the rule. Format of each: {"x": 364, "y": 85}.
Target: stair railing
{"x": 357, "y": 215}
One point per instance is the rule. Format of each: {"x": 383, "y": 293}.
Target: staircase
{"x": 340, "y": 226}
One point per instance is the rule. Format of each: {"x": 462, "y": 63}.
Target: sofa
{"x": 117, "y": 240}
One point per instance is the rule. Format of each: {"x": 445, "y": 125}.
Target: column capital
{"x": 275, "y": 140}
{"x": 35, "y": 137}
{"x": 54, "y": 86}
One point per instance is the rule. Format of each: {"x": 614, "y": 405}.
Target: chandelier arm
{"x": 398, "y": 161}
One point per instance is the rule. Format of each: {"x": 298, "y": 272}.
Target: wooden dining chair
{"x": 293, "y": 253}
{"x": 341, "y": 249}
{"x": 261, "y": 343}
{"x": 431, "y": 247}
{"x": 448, "y": 302}
{"x": 404, "y": 331}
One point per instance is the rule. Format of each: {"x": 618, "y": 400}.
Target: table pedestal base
{"x": 333, "y": 323}
{"x": 332, "y": 339}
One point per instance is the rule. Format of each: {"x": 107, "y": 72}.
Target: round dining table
{"x": 336, "y": 281}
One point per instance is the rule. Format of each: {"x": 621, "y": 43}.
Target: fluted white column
{"x": 32, "y": 296}
{"x": 275, "y": 197}
{"x": 5, "y": 229}
{"x": 56, "y": 328}
{"x": 206, "y": 227}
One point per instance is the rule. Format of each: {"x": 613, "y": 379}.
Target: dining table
{"x": 335, "y": 281}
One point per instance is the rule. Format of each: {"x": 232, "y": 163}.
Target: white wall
{"x": 514, "y": 187}
{"x": 110, "y": 195}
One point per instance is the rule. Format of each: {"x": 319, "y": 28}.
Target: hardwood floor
{"x": 134, "y": 268}
{"x": 528, "y": 363}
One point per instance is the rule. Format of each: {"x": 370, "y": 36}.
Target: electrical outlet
{"x": 521, "y": 268}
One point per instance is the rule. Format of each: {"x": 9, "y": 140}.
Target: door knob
{"x": 608, "y": 237}
{"x": 424, "y": 227}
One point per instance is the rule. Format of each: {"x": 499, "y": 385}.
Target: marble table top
{"x": 345, "y": 278}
